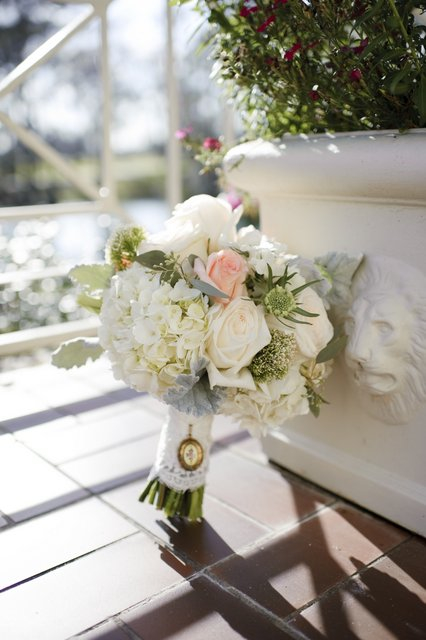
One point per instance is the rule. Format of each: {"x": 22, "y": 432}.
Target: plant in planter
{"x": 303, "y": 66}
{"x": 352, "y": 75}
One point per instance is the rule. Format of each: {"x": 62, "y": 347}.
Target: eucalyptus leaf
{"x": 75, "y": 353}
{"x": 93, "y": 277}
{"x": 151, "y": 259}
{"x": 332, "y": 349}
{"x": 208, "y": 289}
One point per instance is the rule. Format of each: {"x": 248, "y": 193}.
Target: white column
{"x": 174, "y": 155}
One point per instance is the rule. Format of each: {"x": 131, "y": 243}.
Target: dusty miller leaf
{"x": 75, "y": 353}
{"x": 91, "y": 303}
{"x": 93, "y": 277}
{"x": 340, "y": 269}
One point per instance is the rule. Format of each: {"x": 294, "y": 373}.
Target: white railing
{"x": 100, "y": 198}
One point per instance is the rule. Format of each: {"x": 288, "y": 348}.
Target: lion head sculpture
{"x": 386, "y": 328}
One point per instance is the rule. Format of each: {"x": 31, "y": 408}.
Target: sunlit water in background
{"x": 82, "y": 237}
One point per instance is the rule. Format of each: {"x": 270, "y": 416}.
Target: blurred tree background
{"x": 61, "y": 102}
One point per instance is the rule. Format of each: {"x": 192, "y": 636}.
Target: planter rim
{"x": 385, "y": 165}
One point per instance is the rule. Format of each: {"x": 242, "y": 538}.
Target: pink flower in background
{"x": 290, "y": 53}
{"x": 212, "y": 144}
{"x": 234, "y": 199}
{"x": 182, "y": 134}
{"x": 226, "y": 270}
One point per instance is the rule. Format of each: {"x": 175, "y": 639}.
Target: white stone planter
{"x": 357, "y": 193}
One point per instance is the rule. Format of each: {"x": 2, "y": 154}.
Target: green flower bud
{"x": 122, "y": 247}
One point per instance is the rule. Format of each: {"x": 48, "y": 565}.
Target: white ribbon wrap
{"x": 167, "y": 467}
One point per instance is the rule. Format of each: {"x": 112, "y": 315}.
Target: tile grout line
{"x": 280, "y": 623}
{"x": 66, "y": 562}
{"x": 346, "y": 580}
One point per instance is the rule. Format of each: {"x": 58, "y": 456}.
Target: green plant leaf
{"x": 332, "y": 349}
{"x": 93, "y": 277}
{"x": 91, "y": 303}
{"x": 304, "y": 286}
{"x": 208, "y": 289}
{"x": 270, "y": 278}
{"x": 76, "y": 353}
{"x": 306, "y": 314}
{"x": 420, "y": 99}
{"x": 151, "y": 259}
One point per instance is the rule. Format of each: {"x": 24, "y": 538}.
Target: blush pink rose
{"x": 226, "y": 270}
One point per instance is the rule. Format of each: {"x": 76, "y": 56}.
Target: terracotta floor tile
{"x": 261, "y": 492}
{"x": 386, "y": 602}
{"x": 114, "y": 467}
{"x": 88, "y": 591}
{"x": 222, "y": 532}
{"x": 200, "y": 609}
{"x": 294, "y": 568}
{"x": 30, "y": 486}
{"x": 62, "y": 445}
{"x": 50, "y": 540}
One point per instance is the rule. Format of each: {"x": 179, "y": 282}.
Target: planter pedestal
{"x": 365, "y": 194}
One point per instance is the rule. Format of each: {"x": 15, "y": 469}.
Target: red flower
{"x": 290, "y": 53}
{"x": 355, "y": 75}
{"x": 266, "y": 24}
{"x": 314, "y": 95}
{"x": 246, "y": 11}
{"x": 360, "y": 48}
{"x": 212, "y": 144}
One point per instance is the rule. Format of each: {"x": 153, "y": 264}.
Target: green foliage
{"x": 76, "y": 353}
{"x": 122, "y": 247}
{"x": 92, "y": 277}
{"x": 315, "y": 66}
{"x": 207, "y": 288}
{"x": 165, "y": 263}
{"x": 332, "y": 349}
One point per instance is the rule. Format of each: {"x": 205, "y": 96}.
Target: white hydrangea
{"x": 262, "y": 251}
{"x": 151, "y": 331}
{"x": 270, "y": 405}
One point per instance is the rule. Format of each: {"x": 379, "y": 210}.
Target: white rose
{"x": 212, "y": 216}
{"x": 312, "y": 338}
{"x": 200, "y": 222}
{"x": 237, "y": 332}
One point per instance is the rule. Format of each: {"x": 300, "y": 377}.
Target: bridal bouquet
{"x": 209, "y": 319}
